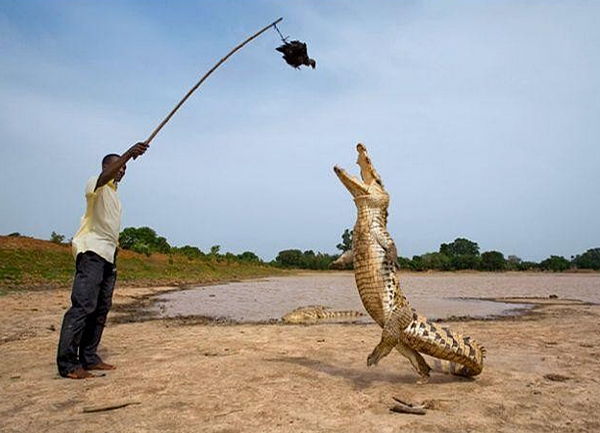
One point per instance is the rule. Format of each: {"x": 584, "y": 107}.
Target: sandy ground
{"x": 542, "y": 374}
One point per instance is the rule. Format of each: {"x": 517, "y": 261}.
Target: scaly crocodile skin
{"x": 375, "y": 266}
{"x": 313, "y": 313}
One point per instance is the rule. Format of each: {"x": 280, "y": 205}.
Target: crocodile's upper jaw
{"x": 370, "y": 184}
{"x": 370, "y": 177}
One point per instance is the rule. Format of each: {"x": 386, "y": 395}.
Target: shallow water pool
{"x": 437, "y": 296}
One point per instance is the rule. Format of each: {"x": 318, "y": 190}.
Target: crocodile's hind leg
{"x": 384, "y": 347}
{"x": 391, "y": 337}
{"x": 397, "y": 321}
{"x": 415, "y": 358}
{"x": 417, "y": 361}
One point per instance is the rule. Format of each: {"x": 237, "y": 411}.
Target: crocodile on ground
{"x": 314, "y": 313}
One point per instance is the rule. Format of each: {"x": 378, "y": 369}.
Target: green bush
{"x": 143, "y": 240}
{"x": 188, "y": 251}
{"x": 249, "y": 257}
{"x": 57, "y": 238}
{"x": 295, "y": 258}
{"x": 346, "y": 244}
{"x": 588, "y": 260}
{"x": 493, "y": 261}
{"x": 555, "y": 264}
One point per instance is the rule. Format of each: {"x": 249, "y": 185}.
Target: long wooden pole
{"x": 193, "y": 89}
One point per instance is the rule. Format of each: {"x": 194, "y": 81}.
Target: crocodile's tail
{"x": 338, "y": 314}
{"x": 449, "y": 367}
{"x": 464, "y": 354}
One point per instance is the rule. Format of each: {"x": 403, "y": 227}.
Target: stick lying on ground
{"x": 403, "y": 407}
{"x": 108, "y": 406}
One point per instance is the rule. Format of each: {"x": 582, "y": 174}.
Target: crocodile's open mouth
{"x": 369, "y": 175}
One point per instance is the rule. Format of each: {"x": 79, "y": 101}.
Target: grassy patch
{"x": 27, "y": 263}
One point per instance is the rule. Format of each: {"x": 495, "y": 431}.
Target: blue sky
{"x": 481, "y": 117}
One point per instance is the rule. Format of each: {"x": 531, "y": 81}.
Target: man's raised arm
{"x": 110, "y": 170}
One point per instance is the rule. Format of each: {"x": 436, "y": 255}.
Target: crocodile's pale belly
{"x": 370, "y": 283}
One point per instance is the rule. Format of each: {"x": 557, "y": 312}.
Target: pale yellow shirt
{"x": 100, "y": 226}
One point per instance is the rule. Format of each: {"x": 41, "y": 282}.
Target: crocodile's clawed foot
{"x": 380, "y": 351}
{"x": 422, "y": 380}
{"x": 372, "y": 360}
{"x": 423, "y": 369}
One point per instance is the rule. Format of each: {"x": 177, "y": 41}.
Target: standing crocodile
{"x": 375, "y": 266}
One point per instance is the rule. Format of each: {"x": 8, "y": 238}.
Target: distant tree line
{"x": 308, "y": 259}
{"x": 145, "y": 240}
{"x": 461, "y": 254}
{"x": 304, "y": 259}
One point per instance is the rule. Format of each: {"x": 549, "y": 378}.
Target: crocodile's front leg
{"x": 388, "y": 245}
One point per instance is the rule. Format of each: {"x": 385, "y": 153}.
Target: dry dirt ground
{"x": 542, "y": 374}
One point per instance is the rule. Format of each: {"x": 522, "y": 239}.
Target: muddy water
{"x": 438, "y": 295}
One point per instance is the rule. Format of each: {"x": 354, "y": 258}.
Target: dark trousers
{"x": 84, "y": 322}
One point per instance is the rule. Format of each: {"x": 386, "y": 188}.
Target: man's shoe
{"x": 79, "y": 373}
{"x": 101, "y": 366}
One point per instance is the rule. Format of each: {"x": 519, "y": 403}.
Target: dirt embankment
{"x": 27, "y": 263}
{"x": 541, "y": 374}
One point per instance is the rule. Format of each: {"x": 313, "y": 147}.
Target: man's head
{"x": 108, "y": 160}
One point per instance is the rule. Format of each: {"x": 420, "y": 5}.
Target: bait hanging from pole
{"x": 294, "y": 53}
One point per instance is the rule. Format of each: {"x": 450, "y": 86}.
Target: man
{"x": 94, "y": 247}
